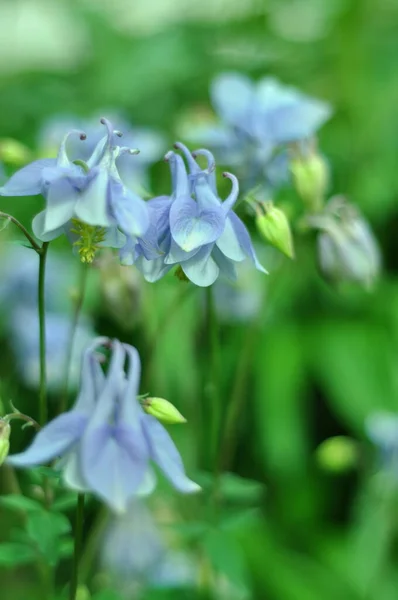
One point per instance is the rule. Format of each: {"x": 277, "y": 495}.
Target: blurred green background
{"x": 315, "y": 361}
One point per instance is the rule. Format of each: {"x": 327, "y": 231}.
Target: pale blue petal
{"x": 129, "y": 210}
{"x": 226, "y": 266}
{"x": 128, "y": 252}
{"x": 232, "y": 95}
{"x": 92, "y": 205}
{"x": 245, "y": 241}
{"x": 92, "y": 378}
{"x": 191, "y": 228}
{"x": 130, "y": 408}
{"x": 166, "y": 456}
{"x": 38, "y": 228}
{"x": 52, "y": 440}
{"x": 176, "y": 255}
{"x": 28, "y": 180}
{"x": 148, "y": 483}
{"x": 205, "y": 196}
{"x": 61, "y": 200}
{"x": 113, "y": 238}
{"x": 152, "y": 270}
{"x": 72, "y": 475}
{"x": 159, "y": 210}
{"x": 201, "y": 268}
{"x": 233, "y": 196}
{"x": 229, "y": 244}
{"x": 179, "y": 176}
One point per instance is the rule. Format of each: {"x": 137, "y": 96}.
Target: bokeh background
{"x": 304, "y": 360}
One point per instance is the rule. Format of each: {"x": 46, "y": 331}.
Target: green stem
{"x": 213, "y": 378}
{"x": 82, "y": 285}
{"x": 42, "y": 335}
{"x": 26, "y": 233}
{"x": 78, "y": 546}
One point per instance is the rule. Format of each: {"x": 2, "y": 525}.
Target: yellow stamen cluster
{"x": 90, "y": 236}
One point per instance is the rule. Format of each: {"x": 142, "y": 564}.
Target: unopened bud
{"x": 82, "y": 593}
{"x": 274, "y": 226}
{"x": 13, "y": 152}
{"x": 5, "y": 431}
{"x": 337, "y": 454}
{"x": 310, "y": 178}
{"x": 163, "y": 410}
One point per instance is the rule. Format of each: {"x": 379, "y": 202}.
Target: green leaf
{"x": 45, "y": 529}
{"x": 65, "y": 502}
{"x": 226, "y": 556}
{"x": 106, "y": 595}
{"x": 20, "y": 503}
{"x": 239, "y": 489}
{"x": 13, "y": 554}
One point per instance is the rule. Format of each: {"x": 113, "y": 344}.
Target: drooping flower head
{"x": 193, "y": 227}
{"x": 106, "y": 441}
{"x": 90, "y": 192}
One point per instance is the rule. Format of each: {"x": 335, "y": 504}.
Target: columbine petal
{"x": 72, "y": 475}
{"x": 226, "y": 266}
{"x": 130, "y": 211}
{"x": 38, "y": 228}
{"x": 152, "y": 270}
{"x": 201, "y": 268}
{"x": 61, "y": 200}
{"x": 28, "y": 180}
{"x": 179, "y": 175}
{"x": 92, "y": 205}
{"x": 51, "y": 441}
{"x": 177, "y": 255}
{"x": 232, "y": 95}
{"x": 229, "y": 244}
{"x": 245, "y": 241}
{"x": 166, "y": 455}
{"x": 192, "y": 228}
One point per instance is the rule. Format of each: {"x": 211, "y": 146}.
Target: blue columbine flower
{"x": 256, "y": 120}
{"x": 107, "y": 441}
{"x": 192, "y": 228}
{"x": 92, "y": 193}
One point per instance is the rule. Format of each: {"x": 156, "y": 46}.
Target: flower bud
{"x": 337, "y": 454}
{"x": 310, "y": 178}
{"x": 13, "y": 152}
{"x": 5, "y": 431}
{"x": 163, "y": 410}
{"x": 274, "y": 226}
{"x": 82, "y": 593}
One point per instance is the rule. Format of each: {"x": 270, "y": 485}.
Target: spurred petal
{"x": 129, "y": 210}
{"x": 92, "y": 378}
{"x": 229, "y": 244}
{"x": 130, "y": 408}
{"x": 53, "y": 440}
{"x": 233, "y": 196}
{"x": 166, "y": 455}
{"x": 28, "y": 180}
{"x": 245, "y": 241}
{"x": 205, "y": 196}
{"x": 38, "y": 228}
{"x": 201, "y": 268}
{"x": 92, "y": 205}
{"x": 191, "y": 228}
{"x": 61, "y": 200}
{"x": 179, "y": 175}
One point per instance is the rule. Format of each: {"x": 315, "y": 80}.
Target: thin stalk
{"x": 78, "y": 546}
{"x": 213, "y": 378}
{"x": 82, "y": 285}
{"x": 26, "y": 233}
{"x": 43, "y": 413}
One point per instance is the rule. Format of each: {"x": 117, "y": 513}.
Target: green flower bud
{"x": 274, "y": 226}
{"x": 5, "y": 431}
{"x": 310, "y": 178}
{"x": 337, "y": 454}
{"x": 13, "y": 152}
{"x": 163, "y": 410}
{"x": 82, "y": 593}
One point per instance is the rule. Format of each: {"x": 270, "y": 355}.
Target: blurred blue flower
{"x": 106, "y": 440}
{"x": 94, "y": 194}
{"x": 134, "y": 553}
{"x": 382, "y": 430}
{"x": 192, "y": 228}
{"x": 255, "y": 120}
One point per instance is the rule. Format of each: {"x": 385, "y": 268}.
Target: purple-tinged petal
{"x": 54, "y": 439}
{"x": 152, "y": 270}
{"x": 61, "y": 200}
{"x": 28, "y": 180}
{"x": 211, "y": 167}
{"x": 177, "y": 255}
{"x": 113, "y": 238}
{"x": 165, "y": 454}
{"x": 193, "y": 165}
{"x": 191, "y": 228}
{"x": 179, "y": 175}
{"x": 129, "y": 210}
{"x": 233, "y": 196}
{"x": 130, "y": 408}
{"x": 159, "y": 211}
{"x": 92, "y": 378}
{"x": 92, "y": 205}
{"x": 39, "y": 229}
{"x": 245, "y": 241}
{"x": 229, "y": 244}
{"x": 201, "y": 268}
{"x": 205, "y": 196}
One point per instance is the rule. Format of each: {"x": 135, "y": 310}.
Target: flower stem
{"x": 213, "y": 379}
{"x": 82, "y": 285}
{"x": 42, "y": 335}
{"x": 26, "y": 233}
{"x": 78, "y": 546}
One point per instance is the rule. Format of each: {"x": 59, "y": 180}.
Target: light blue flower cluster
{"x": 256, "y": 119}
{"x": 106, "y": 441}
{"x": 192, "y": 227}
